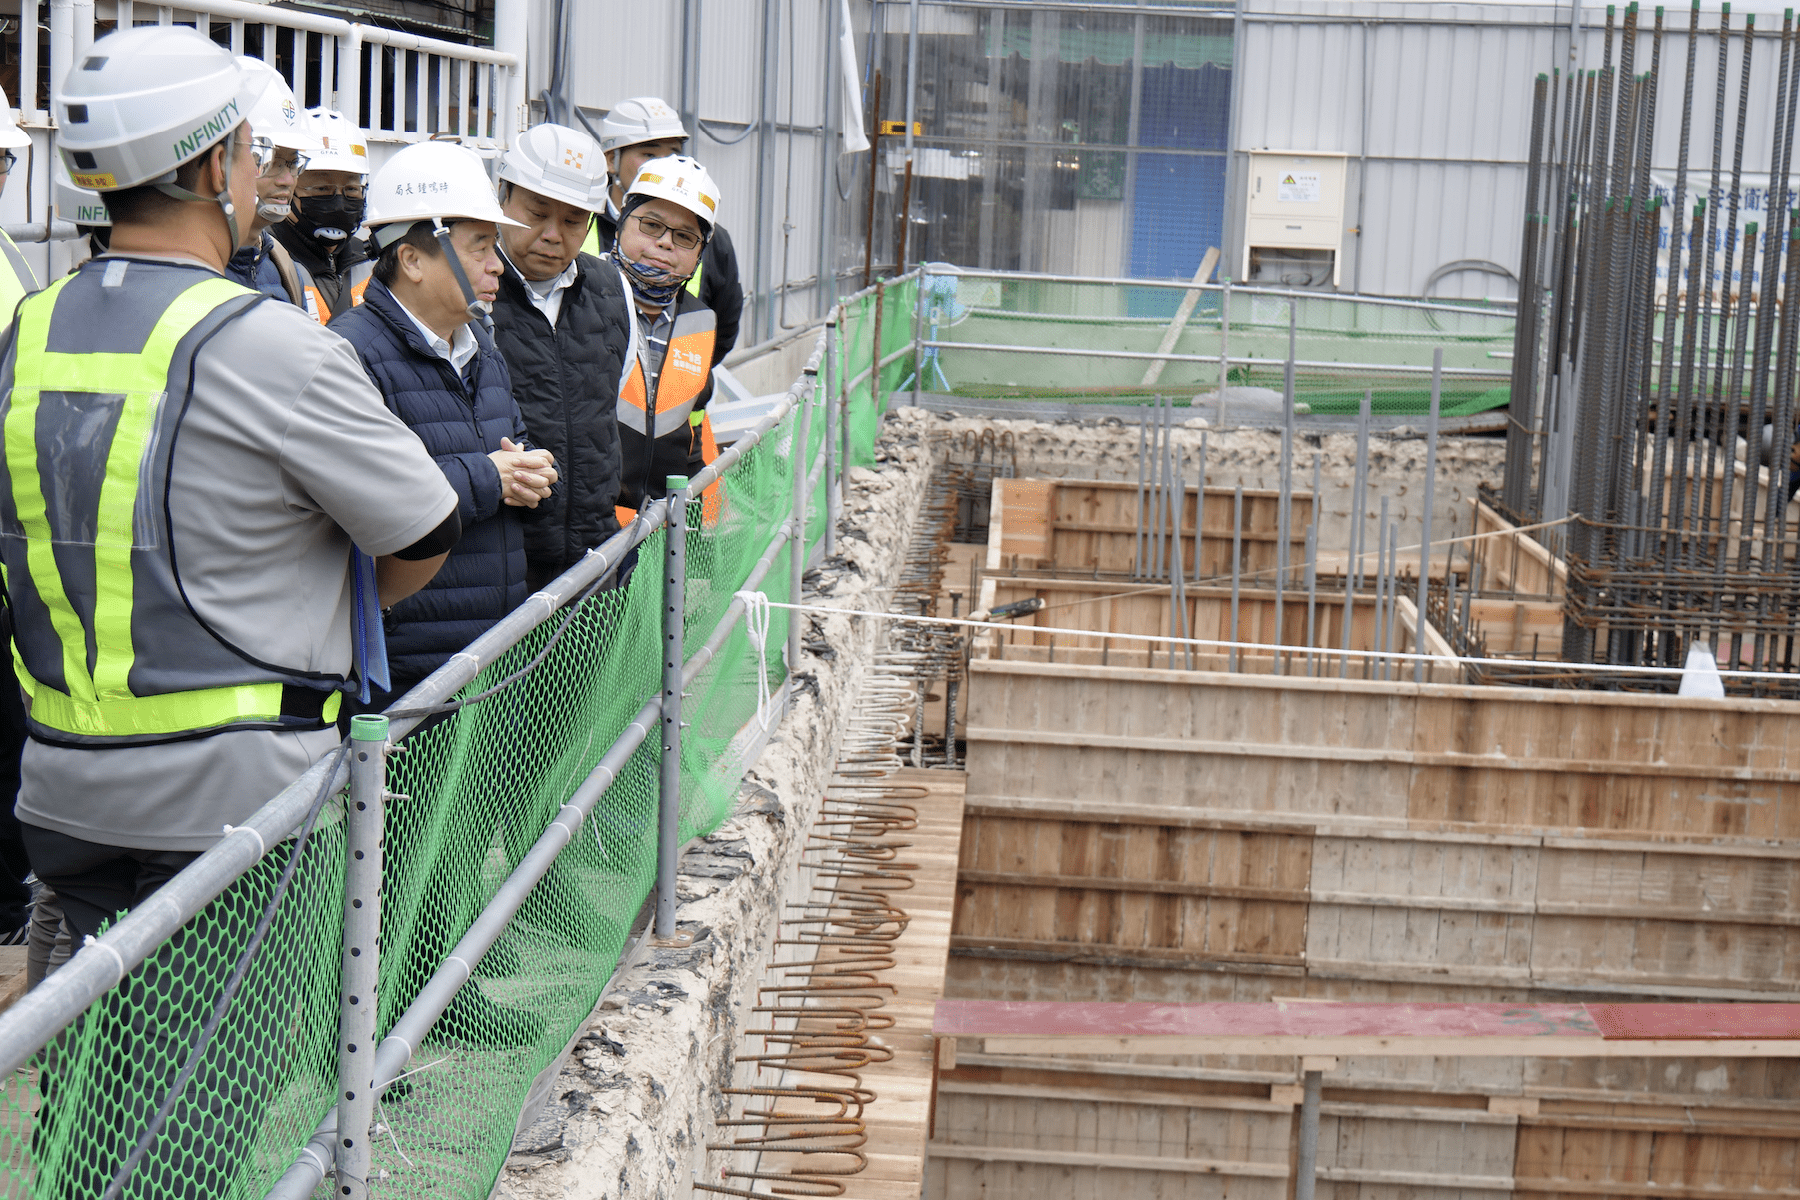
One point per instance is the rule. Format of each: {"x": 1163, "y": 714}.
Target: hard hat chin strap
{"x": 168, "y": 187}
{"x": 477, "y": 309}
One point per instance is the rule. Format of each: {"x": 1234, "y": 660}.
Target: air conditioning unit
{"x": 1294, "y": 219}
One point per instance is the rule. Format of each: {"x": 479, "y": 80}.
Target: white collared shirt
{"x": 457, "y": 351}
{"x": 546, "y": 295}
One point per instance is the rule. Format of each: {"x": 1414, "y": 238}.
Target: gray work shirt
{"x": 286, "y": 455}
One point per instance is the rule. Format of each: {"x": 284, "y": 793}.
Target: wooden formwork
{"x": 1091, "y": 526}
{"x": 1143, "y": 609}
{"x": 1185, "y": 836}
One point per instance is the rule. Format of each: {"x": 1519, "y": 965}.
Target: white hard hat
{"x": 679, "y": 180}
{"x": 143, "y": 101}
{"x": 11, "y": 136}
{"x": 342, "y": 146}
{"x": 643, "y": 119}
{"x": 426, "y": 180}
{"x": 77, "y": 205}
{"x": 561, "y": 163}
{"x": 276, "y": 116}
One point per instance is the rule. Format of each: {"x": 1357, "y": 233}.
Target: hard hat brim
{"x": 12, "y": 137}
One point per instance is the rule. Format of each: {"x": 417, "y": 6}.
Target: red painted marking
{"x": 1733, "y": 1021}
{"x": 1008, "y": 1018}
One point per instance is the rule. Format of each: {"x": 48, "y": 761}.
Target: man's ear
{"x": 215, "y": 175}
{"x": 412, "y": 264}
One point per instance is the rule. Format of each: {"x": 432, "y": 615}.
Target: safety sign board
{"x": 1298, "y": 187}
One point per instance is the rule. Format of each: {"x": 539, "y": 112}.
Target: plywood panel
{"x": 1477, "y": 757}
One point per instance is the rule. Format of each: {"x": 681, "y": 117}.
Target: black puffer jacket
{"x": 566, "y": 381}
{"x": 720, "y": 289}
{"x": 460, "y": 420}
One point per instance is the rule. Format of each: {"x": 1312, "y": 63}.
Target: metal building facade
{"x": 1432, "y": 102}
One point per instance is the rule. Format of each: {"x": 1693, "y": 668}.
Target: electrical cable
{"x": 228, "y": 994}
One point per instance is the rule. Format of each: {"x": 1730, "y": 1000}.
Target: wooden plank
{"x": 1122, "y": 1162}
{"x": 896, "y": 1121}
{"x": 1486, "y": 762}
{"x": 1343, "y": 1028}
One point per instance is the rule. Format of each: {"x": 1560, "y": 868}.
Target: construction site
{"x": 1275, "y": 677}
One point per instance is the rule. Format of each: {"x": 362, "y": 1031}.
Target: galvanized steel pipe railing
{"x": 435, "y": 997}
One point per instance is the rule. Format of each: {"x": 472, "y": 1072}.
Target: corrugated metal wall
{"x": 1433, "y": 104}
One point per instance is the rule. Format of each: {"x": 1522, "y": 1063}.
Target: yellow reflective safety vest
{"x": 16, "y": 278}
{"x": 105, "y": 641}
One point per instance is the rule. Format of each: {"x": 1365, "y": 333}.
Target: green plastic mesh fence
{"x": 867, "y": 396}
{"x": 1343, "y": 345}
{"x": 475, "y": 790}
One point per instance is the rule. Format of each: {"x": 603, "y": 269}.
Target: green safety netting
{"x": 474, "y": 791}
{"x": 1343, "y": 346}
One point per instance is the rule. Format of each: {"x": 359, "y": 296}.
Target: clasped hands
{"x": 525, "y": 475}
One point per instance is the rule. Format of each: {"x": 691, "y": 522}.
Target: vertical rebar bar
{"x": 1178, "y": 619}
{"x": 1383, "y": 598}
{"x": 1200, "y": 511}
{"x": 1730, "y": 302}
{"x": 1431, "y": 441}
{"x": 1237, "y": 560}
{"x": 1224, "y": 344}
{"x": 361, "y": 954}
{"x": 1284, "y": 513}
{"x": 1312, "y": 594}
{"x": 1137, "y": 561}
{"x": 1353, "y": 560}
{"x": 1660, "y": 440}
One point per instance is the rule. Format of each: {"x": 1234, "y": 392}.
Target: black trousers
{"x": 96, "y": 883}
{"x": 15, "y": 894}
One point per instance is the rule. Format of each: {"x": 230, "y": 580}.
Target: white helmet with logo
{"x": 277, "y": 116}
{"x": 77, "y": 205}
{"x": 342, "y": 146}
{"x": 144, "y": 101}
{"x": 11, "y": 136}
{"x": 642, "y": 119}
{"x": 428, "y": 180}
{"x": 561, "y": 163}
{"x": 679, "y": 180}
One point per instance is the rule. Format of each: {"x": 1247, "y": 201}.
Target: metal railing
{"x": 399, "y": 86}
{"x": 104, "y": 963}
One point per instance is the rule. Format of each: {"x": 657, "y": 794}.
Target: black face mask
{"x": 328, "y": 218}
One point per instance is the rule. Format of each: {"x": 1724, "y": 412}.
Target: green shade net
{"x": 473, "y": 793}
{"x": 1343, "y": 346}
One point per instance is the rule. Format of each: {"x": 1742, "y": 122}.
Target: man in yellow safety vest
{"x": 186, "y": 464}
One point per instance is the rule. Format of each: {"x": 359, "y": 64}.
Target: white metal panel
{"x": 1445, "y": 100}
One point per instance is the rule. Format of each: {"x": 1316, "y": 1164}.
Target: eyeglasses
{"x": 316, "y": 191}
{"x": 264, "y": 151}
{"x": 7, "y": 159}
{"x": 654, "y": 230}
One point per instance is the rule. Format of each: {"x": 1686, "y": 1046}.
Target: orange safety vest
{"x": 356, "y": 281}
{"x": 686, "y": 372}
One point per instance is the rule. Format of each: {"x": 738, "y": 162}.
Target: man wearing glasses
{"x": 669, "y": 213}
{"x": 280, "y": 146}
{"x": 633, "y": 133}
{"x": 332, "y": 263}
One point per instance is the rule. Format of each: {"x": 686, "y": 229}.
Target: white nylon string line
{"x": 1260, "y": 572}
{"x": 756, "y": 628}
{"x": 1292, "y": 649}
